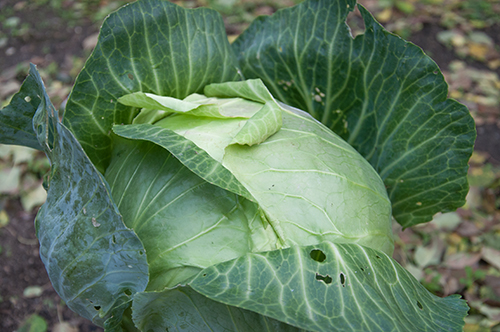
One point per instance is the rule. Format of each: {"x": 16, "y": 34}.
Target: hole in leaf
{"x": 318, "y": 255}
{"x": 113, "y": 239}
{"x": 141, "y": 252}
{"x": 362, "y": 269}
{"x": 204, "y": 274}
{"x": 355, "y": 22}
{"x": 342, "y": 279}
{"x": 127, "y": 292}
{"x": 377, "y": 256}
{"x": 420, "y": 306}
{"x": 97, "y": 307}
{"x": 326, "y": 279}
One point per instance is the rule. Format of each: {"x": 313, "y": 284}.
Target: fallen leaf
{"x": 385, "y": 15}
{"x": 33, "y": 198}
{"x": 461, "y": 259}
{"x": 32, "y": 291}
{"x": 10, "y": 180}
{"x": 468, "y": 229}
{"x": 447, "y": 221}
{"x": 492, "y": 256}
{"x": 429, "y": 255}
{"x": 64, "y": 327}
{"x": 4, "y": 218}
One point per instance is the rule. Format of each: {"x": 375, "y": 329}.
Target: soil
{"x": 20, "y": 265}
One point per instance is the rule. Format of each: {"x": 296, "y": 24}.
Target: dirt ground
{"x": 20, "y": 265}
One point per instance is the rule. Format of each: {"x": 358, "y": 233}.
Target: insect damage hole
{"x": 420, "y": 306}
{"x": 326, "y": 279}
{"x": 318, "y": 255}
{"x": 342, "y": 279}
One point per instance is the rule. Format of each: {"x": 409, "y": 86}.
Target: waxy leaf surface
{"x": 94, "y": 262}
{"x": 331, "y": 287}
{"x": 379, "y": 92}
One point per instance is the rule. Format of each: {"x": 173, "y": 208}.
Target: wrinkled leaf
{"x": 331, "y": 287}
{"x": 380, "y": 93}
{"x": 150, "y": 46}
{"x": 94, "y": 262}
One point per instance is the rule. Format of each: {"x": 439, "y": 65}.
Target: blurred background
{"x": 456, "y": 253}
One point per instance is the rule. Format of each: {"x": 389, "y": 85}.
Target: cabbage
{"x": 202, "y": 186}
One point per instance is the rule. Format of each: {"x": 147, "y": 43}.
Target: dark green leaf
{"x": 380, "y": 93}
{"x": 331, "y": 287}
{"x": 94, "y": 262}
{"x": 149, "y": 46}
{"x": 16, "y": 119}
{"x": 182, "y": 309}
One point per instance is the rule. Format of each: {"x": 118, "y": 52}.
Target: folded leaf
{"x": 94, "y": 262}
{"x": 148, "y": 46}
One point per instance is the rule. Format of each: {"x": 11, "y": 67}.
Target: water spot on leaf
{"x": 326, "y": 279}
{"x": 27, "y": 99}
{"x": 318, "y": 255}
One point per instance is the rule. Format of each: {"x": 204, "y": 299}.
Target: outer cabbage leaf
{"x": 380, "y": 93}
{"x": 182, "y": 309}
{"x": 94, "y": 262}
{"x": 185, "y": 223}
{"x": 16, "y": 119}
{"x": 331, "y": 287}
{"x": 148, "y": 46}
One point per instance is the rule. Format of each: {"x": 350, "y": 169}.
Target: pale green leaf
{"x": 184, "y": 222}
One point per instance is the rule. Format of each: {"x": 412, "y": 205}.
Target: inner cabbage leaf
{"x": 310, "y": 185}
